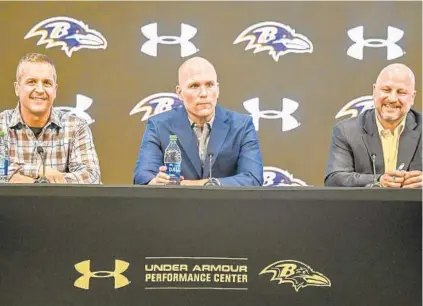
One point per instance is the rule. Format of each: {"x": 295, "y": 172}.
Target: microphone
{"x": 210, "y": 164}
{"x": 42, "y": 179}
{"x": 212, "y": 181}
{"x": 375, "y": 182}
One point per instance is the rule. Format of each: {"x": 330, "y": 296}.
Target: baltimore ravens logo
{"x": 277, "y": 177}
{"x": 277, "y": 38}
{"x": 297, "y": 273}
{"x": 68, "y": 33}
{"x": 356, "y": 107}
{"x": 156, "y": 104}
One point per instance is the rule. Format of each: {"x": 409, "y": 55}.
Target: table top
{"x": 283, "y": 193}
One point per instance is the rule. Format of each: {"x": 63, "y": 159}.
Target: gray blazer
{"x": 355, "y": 140}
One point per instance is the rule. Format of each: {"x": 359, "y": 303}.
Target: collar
{"x": 17, "y": 120}
{"x": 210, "y": 122}
{"x": 398, "y": 130}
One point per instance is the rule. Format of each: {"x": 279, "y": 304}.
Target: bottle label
{"x": 173, "y": 170}
{"x": 4, "y": 165}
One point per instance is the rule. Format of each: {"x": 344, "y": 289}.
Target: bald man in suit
{"x": 209, "y": 136}
{"x": 388, "y": 135}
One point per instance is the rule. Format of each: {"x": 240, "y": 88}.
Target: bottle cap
{"x": 173, "y": 137}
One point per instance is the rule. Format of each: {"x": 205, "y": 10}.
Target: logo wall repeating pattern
{"x": 294, "y": 49}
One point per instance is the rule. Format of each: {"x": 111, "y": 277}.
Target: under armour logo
{"x": 82, "y": 104}
{"x": 288, "y": 108}
{"x": 187, "y": 33}
{"x": 393, "y": 50}
{"x": 83, "y": 267}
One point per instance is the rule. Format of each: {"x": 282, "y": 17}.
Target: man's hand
{"x": 193, "y": 182}
{"x": 161, "y": 178}
{"x": 392, "y": 179}
{"x": 18, "y": 178}
{"x": 412, "y": 179}
{"x": 53, "y": 176}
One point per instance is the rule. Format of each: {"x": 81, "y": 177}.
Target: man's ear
{"x": 414, "y": 95}
{"x": 16, "y": 85}
{"x": 179, "y": 92}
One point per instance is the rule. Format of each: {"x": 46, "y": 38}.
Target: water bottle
{"x": 4, "y": 159}
{"x": 173, "y": 159}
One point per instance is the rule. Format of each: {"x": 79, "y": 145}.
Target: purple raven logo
{"x": 296, "y": 273}
{"x": 277, "y": 177}
{"x": 277, "y": 38}
{"x": 68, "y": 33}
{"x": 356, "y": 107}
{"x": 156, "y": 104}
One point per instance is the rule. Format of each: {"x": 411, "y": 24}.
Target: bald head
{"x": 398, "y": 70}
{"x": 393, "y": 94}
{"x": 198, "y": 89}
{"x": 195, "y": 66}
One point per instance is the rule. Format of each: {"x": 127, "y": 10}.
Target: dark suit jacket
{"x": 233, "y": 142}
{"x": 355, "y": 140}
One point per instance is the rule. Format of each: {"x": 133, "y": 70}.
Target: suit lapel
{"x": 187, "y": 139}
{"x": 218, "y": 135}
{"x": 372, "y": 140}
{"x": 408, "y": 141}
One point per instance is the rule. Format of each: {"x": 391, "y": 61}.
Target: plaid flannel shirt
{"x": 66, "y": 139}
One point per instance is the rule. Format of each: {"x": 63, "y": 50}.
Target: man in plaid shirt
{"x": 34, "y": 126}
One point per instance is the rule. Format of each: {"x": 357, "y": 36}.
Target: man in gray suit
{"x": 388, "y": 137}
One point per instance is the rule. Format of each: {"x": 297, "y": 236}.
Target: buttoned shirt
{"x": 66, "y": 140}
{"x": 390, "y": 143}
{"x": 203, "y": 137}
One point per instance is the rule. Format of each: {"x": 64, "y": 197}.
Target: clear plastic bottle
{"x": 4, "y": 159}
{"x": 173, "y": 160}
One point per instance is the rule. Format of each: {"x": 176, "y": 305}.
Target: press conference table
{"x": 142, "y": 245}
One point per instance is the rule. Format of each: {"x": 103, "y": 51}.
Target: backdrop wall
{"x": 305, "y": 61}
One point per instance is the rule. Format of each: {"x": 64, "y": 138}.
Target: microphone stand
{"x": 375, "y": 183}
{"x": 42, "y": 179}
{"x": 212, "y": 181}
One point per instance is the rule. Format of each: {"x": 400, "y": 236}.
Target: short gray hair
{"x": 34, "y": 58}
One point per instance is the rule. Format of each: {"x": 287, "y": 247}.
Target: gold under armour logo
{"x": 83, "y": 267}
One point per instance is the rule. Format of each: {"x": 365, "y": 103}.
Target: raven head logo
{"x": 297, "y": 273}
{"x": 356, "y": 107}
{"x": 277, "y": 177}
{"x": 156, "y": 104}
{"x": 68, "y": 33}
{"x": 277, "y": 38}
